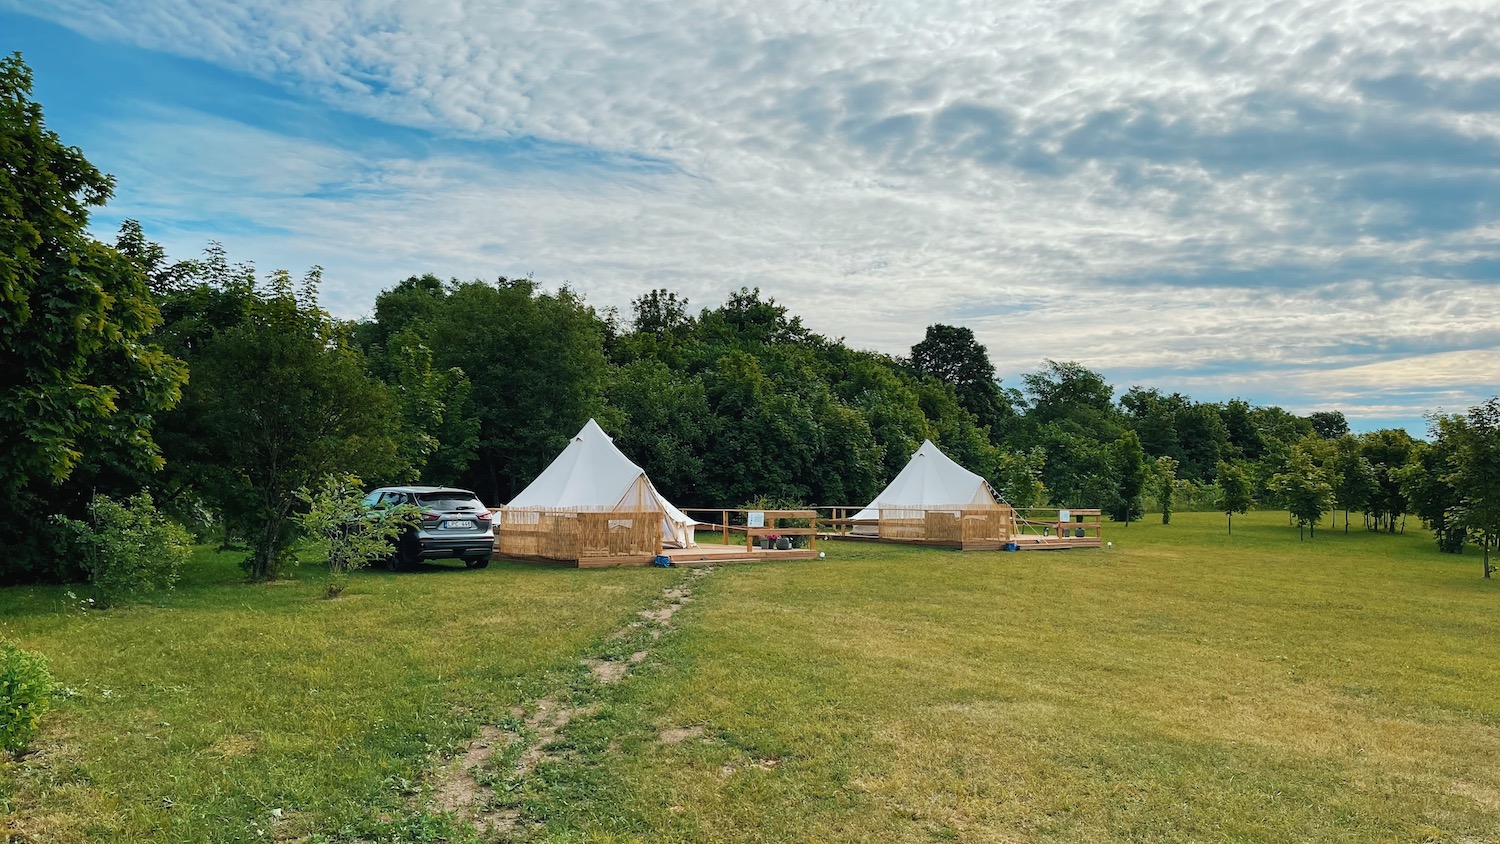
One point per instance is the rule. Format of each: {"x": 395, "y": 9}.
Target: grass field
{"x": 1183, "y": 686}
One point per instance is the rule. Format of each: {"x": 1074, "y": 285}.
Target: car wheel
{"x": 476, "y": 562}
{"x": 404, "y": 555}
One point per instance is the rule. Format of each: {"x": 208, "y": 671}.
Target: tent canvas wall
{"x": 591, "y": 473}
{"x": 930, "y": 480}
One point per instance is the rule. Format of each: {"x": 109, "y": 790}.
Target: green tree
{"x": 1354, "y": 481}
{"x": 666, "y": 426}
{"x": 1166, "y": 484}
{"x": 349, "y": 535}
{"x": 1240, "y": 424}
{"x": 1424, "y": 483}
{"x": 951, "y": 354}
{"x": 1329, "y": 424}
{"x": 1388, "y": 451}
{"x": 1074, "y": 396}
{"x": 1475, "y": 473}
{"x": 276, "y": 403}
{"x": 1020, "y": 477}
{"x": 1234, "y": 494}
{"x": 660, "y": 312}
{"x": 1304, "y": 488}
{"x": 78, "y": 375}
{"x": 129, "y": 549}
{"x": 1129, "y": 462}
{"x": 537, "y": 366}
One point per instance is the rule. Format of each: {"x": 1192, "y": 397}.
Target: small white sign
{"x": 1065, "y": 515}
{"x": 756, "y": 518}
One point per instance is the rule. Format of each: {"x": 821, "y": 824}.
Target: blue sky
{"x": 1297, "y": 204}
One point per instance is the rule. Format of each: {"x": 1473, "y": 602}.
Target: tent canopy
{"x": 931, "y": 480}
{"x": 591, "y": 474}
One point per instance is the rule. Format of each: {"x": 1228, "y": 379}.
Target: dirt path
{"x": 504, "y": 755}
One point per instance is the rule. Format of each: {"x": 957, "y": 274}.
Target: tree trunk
{"x": 1299, "y": 531}
{"x": 1231, "y": 523}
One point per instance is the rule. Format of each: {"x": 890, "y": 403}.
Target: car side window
{"x": 372, "y": 499}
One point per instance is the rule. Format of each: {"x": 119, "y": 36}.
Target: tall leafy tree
{"x": 1153, "y": 416}
{"x": 1234, "y": 494}
{"x": 1329, "y": 424}
{"x": 1166, "y": 486}
{"x": 276, "y": 403}
{"x": 1354, "y": 481}
{"x": 1019, "y": 477}
{"x": 78, "y": 375}
{"x": 1073, "y": 395}
{"x": 1475, "y": 475}
{"x": 1388, "y": 451}
{"x": 1245, "y": 439}
{"x": 950, "y": 354}
{"x": 1424, "y": 482}
{"x": 1304, "y": 488}
{"x": 1129, "y": 463}
{"x": 536, "y": 362}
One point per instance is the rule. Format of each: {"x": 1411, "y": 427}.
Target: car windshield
{"x": 448, "y": 501}
{"x": 372, "y": 499}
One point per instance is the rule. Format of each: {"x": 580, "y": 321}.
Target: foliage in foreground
{"x": 26, "y": 690}
{"x": 346, "y": 532}
{"x": 129, "y": 549}
{"x": 80, "y": 380}
{"x": 1473, "y": 443}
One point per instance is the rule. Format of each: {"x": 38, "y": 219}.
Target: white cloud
{"x": 1125, "y": 184}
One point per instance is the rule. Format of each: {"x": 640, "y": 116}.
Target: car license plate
{"x": 460, "y": 523}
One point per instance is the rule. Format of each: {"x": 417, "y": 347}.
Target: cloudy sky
{"x": 1295, "y": 202}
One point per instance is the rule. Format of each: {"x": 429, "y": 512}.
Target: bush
{"x": 129, "y": 550}
{"x": 350, "y": 534}
{"x": 25, "y": 691}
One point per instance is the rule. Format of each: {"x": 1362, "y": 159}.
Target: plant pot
{"x": 765, "y": 544}
{"x": 783, "y": 545}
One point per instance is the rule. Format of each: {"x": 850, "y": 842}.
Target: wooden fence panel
{"x": 566, "y": 535}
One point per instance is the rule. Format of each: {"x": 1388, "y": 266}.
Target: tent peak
{"x": 592, "y": 428}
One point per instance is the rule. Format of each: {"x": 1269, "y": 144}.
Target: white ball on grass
{"x": 1109, "y": 545}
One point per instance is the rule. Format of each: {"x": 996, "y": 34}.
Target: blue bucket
{"x": 662, "y": 561}
{"x": 1011, "y": 546}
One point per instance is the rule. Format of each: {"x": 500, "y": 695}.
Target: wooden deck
{"x": 971, "y": 528}
{"x": 701, "y": 555}
{"x": 1025, "y": 542}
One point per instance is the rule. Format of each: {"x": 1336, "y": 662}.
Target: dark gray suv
{"x": 455, "y": 524}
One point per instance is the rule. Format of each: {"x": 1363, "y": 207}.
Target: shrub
{"x": 129, "y": 550}
{"x": 351, "y": 534}
{"x": 25, "y": 691}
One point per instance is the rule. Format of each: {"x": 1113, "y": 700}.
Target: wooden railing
{"x": 960, "y": 525}
{"x": 1048, "y": 521}
{"x": 558, "y": 534}
{"x": 737, "y": 521}
{"x": 966, "y": 524}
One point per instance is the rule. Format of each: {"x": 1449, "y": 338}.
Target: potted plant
{"x": 769, "y": 540}
{"x": 783, "y": 544}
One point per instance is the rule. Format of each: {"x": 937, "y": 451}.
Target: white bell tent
{"x": 592, "y": 474}
{"x": 931, "y": 480}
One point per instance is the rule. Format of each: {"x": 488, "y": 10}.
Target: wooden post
{"x": 724, "y": 523}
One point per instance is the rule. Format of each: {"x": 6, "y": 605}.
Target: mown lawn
{"x": 1183, "y": 686}
{"x": 196, "y": 721}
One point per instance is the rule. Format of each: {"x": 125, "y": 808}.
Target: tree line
{"x": 223, "y": 392}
